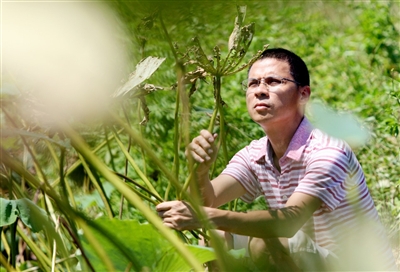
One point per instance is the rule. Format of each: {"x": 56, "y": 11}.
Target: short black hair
{"x": 298, "y": 68}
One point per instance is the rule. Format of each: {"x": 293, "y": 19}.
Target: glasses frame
{"x": 245, "y": 82}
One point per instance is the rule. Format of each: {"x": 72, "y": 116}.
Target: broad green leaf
{"x": 9, "y": 212}
{"x": 32, "y": 216}
{"x": 144, "y": 246}
{"x": 173, "y": 262}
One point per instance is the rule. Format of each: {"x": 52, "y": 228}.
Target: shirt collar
{"x": 296, "y": 145}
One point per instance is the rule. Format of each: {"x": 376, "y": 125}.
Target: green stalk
{"x": 136, "y": 167}
{"x": 32, "y": 152}
{"x": 149, "y": 151}
{"x": 14, "y": 246}
{"x": 141, "y": 134}
{"x": 64, "y": 186}
{"x": 159, "y": 199}
{"x": 42, "y": 259}
{"x": 184, "y": 97}
{"x": 5, "y": 264}
{"x": 35, "y": 162}
{"x": 223, "y": 134}
{"x": 78, "y": 163}
{"x": 145, "y": 197}
{"x": 179, "y": 94}
{"x": 52, "y": 152}
{"x": 109, "y": 147}
{"x": 99, "y": 187}
{"x": 123, "y": 188}
{"x": 196, "y": 199}
{"x": 17, "y": 191}
{"x": 121, "y": 205}
{"x": 217, "y": 94}
{"x": 5, "y": 243}
{"x": 76, "y": 241}
{"x": 167, "y": 190}
{"x": 176, "y": 130}
{"x": 37, "y": 268}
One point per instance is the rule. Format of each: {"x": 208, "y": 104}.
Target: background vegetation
{"x": 352, "y": 51}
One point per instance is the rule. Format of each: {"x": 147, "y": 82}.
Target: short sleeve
{"x": 326, "y": 175}
{"x": 240, "y": 168}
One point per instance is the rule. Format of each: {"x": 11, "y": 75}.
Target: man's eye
{"x": 272, "y": 81}
{"x": 253, "y": 83}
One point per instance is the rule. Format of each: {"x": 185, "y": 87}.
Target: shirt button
{"x": 284, "y": 197}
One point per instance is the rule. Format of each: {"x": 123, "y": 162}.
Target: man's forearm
{"x": 262, "y": 224}
{"x": 283, "y": 222}
{"x": 205, "y": 188}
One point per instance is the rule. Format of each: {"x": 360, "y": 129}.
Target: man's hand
{"x": 203, "y": 150}
{"x": 178, "y": 215}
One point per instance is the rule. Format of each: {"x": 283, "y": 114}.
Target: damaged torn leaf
{"x": 235, "y": 35}
{"x": 144, "y": 70}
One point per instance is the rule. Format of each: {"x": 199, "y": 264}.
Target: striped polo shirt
{"x": 316, "y": 164}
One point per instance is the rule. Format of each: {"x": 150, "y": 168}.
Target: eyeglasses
{"x": 270, "y": 82}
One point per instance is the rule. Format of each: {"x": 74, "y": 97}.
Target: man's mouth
{"x": 261, "y": 106}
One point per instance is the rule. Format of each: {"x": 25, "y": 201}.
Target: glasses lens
{"x": 250, "y": 83}
{"x": 245, "y": 84}
{"x": 267, "y": 81}
{"x": 272, "y": 81}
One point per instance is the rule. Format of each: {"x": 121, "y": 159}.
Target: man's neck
{"x": 280, "y": 136}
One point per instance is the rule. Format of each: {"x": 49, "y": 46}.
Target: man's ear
{"x": 305, "y": 92}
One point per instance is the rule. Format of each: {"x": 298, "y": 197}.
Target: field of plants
{"x": 78, "y": 192}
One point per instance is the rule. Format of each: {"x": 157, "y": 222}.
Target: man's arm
{"x": 283, "y": 222}
{"x": 220, "y": 190}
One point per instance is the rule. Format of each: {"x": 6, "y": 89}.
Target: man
{"x": 321, "y": 215}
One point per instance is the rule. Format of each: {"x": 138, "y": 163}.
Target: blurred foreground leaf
{"x": 344, "y": 126}
{"x": 149, "y": 249}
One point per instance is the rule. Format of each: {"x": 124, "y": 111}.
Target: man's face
{"x": 277, "y": 105}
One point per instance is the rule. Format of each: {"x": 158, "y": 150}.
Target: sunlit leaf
{"x": 143, "y": 243}
{"x": 143, "y": 71}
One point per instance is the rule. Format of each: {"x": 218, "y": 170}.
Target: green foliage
{"x": 142, "y": 242}
{"x": 33, "y": 217}
{"x": 351, "y": 49}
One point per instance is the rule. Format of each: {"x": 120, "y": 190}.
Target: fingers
{"x": 207, "y": 135}
{"x": 164, "y": 206}
{"x": 202, "y": 148}
{"x": 177, "y": 215}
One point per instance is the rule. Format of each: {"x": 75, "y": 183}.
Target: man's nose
{"x": 262, "y": 89}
